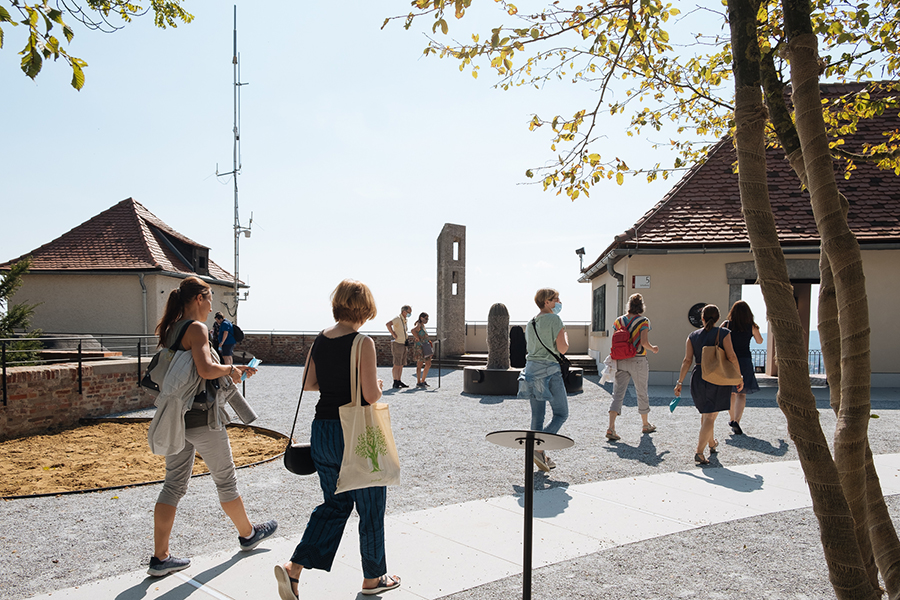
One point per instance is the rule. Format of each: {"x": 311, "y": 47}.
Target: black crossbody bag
{"x": 298, "y": 457}
{"x": 564, "y": 363}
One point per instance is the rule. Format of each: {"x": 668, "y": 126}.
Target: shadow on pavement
{"x": 553, "y": 499}
{"x": 747, "y": 442}
{"x": 644, "y": 452}
{"x": 186, "y": 589}
{"x": 716, "y": 474}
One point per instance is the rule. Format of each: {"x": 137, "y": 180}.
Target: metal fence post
{"x": 3, "y": 360}
{"x": 79, "y": 368}
{"x": 139, "y": 363}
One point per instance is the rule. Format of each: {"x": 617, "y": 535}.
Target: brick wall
{"x": 291, "y": 349}
{"x": 46, "y": 397}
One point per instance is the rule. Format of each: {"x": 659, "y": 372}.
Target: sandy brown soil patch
{"x": 105, "y": 455}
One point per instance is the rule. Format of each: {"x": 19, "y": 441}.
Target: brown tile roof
{"x": 125, "y": 237}
{"x": 703, "y": 210}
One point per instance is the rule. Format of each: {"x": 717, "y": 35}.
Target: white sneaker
{"x": 540, "y": 461}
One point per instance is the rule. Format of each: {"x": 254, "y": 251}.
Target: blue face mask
{"x": 557, "y": 308}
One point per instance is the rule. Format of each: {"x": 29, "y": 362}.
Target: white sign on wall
{"x": 640, "y": 282}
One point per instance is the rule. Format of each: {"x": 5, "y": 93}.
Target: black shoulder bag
{"x": 298, "y": 457}
{"x": 564, "y": 363}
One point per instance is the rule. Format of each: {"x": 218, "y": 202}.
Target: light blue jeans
{"x": 541, "y": 382}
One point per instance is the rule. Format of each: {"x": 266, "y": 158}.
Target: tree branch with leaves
{"x": 41, "y": 18}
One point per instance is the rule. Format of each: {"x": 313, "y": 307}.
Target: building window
{"x": 598, "y": 309}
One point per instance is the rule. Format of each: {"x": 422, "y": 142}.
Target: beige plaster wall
{"x": 476, "y": 337}
{"x": 678, "y": 281}
{"x": 96, "y": 303}
{"x": 84, "y": 303}
{"x": 883, "y": 290}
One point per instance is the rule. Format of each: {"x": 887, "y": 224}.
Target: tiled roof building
{"x": 703, "y": 210}
{"x": 125, "y": 237}
{"x": 692, "y": 249}
{"x": 113, "y": 274}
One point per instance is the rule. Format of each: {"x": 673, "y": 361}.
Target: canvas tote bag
{"x": 370, "y": 455}
{"x": 716, "y": 367}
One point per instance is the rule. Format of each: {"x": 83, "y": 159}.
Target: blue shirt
{"x": 229, "y": 330}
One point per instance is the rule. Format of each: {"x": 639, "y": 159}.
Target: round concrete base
{"x": 497, "y": 382}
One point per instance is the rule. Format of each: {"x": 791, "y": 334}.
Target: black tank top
{"x": 332, "y": 357}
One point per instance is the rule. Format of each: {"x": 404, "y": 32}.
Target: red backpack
{"x": 622, "y": 348}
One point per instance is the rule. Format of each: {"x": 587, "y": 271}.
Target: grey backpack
{"x": 159, "y": 365}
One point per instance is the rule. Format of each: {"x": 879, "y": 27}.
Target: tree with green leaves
{"x": 370, "y": 444}
{"x": 39, "y": 18}
{"x": 15, "y": 318}
{"x": 624, "y": 44}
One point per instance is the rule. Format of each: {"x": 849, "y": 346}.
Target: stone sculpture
{"x": 498, "y": 337}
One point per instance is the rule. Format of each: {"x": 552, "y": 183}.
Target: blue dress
{"x": 708, "y": 397}
{"x": 740, "y": 341}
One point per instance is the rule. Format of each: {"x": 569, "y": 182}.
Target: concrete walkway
{"x": 444, "y": 550}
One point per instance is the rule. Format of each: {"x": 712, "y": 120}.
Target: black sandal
{"x": 700, "y": 460}
{"x": 386, "y": 583}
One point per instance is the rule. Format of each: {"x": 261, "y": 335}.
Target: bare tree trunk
{"x": 845, "y": 565}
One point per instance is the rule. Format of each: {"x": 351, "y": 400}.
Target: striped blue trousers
{"x": 323, "y": 533}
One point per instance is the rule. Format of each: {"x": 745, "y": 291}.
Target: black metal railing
{"x": 816, "y": 366}
{"x": 814, "y": 358}
{"x": 16, "y": 352}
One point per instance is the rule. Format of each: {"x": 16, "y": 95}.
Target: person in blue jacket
{"x": 226, "y": 339}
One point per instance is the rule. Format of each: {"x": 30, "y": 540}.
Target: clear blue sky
{"x": 355, "y": 151}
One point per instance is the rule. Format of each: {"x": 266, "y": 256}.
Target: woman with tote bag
{"x": 709, "y": 398}
{"x": 329, "y": 372}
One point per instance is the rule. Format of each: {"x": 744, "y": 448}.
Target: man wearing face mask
{"x": 541, "y": 381}
{"x": 397, "y": 328}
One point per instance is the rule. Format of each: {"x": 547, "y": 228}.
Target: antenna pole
{"x": 237, "y": 144}
{"x": 238, "y": 229}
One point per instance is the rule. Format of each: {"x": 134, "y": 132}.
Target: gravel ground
{"x": 59, "y": 542}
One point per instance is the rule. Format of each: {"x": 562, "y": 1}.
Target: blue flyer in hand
{"x": 674, "y": 403}
{"x": 253, "y": 363}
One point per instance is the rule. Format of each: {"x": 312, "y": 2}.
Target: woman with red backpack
{"x": 630, "y": 343}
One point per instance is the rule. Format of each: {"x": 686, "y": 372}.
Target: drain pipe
{"x": 144, "y": 298}
{"x": 620, "y": 286}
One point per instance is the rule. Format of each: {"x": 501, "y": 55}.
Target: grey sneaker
{"x": 260, "y": 532}
{"x": 158, "y": 568}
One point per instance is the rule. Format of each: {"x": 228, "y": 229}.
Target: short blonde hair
{"x": 543, "y": 295}
{"x": 352, "y": 301}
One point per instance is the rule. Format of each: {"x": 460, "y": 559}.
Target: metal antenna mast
{"x": 238, "y": 229}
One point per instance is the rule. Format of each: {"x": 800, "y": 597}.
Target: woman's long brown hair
{"x": 189, "y": 289}
{"x": 740, "y": 317}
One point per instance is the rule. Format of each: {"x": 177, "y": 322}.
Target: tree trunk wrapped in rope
{"x": 848, "y": 575}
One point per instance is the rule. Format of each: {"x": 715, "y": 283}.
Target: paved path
{"x": 452, "y": 548}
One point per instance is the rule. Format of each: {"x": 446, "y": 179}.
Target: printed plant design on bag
{"x": 370, "y": 444}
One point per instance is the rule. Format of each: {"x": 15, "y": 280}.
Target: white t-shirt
{"x": 399, "y": 325}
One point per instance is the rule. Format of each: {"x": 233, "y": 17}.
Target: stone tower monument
{"x": 451, "y": 289}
